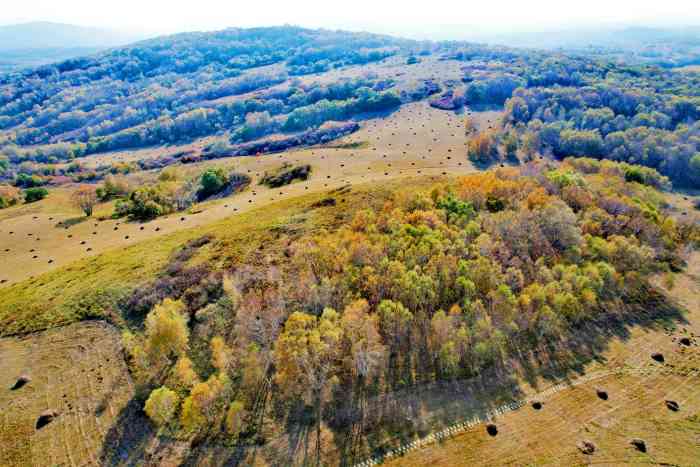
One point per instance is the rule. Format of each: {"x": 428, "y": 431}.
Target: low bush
{"x": 9, "y": 196}
{"x": 35, "y": 194}
{"x": 286, "y": 175}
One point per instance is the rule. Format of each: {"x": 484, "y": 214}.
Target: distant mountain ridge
{"x": 38, "y": 43}
{"x": 46, "y": 35}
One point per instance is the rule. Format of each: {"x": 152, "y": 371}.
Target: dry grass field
{"x": 76, "y": 372}
{"x": 53, "y": 277}
{"x": 416, "y": 140}
{"x": 635, "y": 408}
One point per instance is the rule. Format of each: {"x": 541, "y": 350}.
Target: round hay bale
{"x": 491, "y": 429}
{"x": 21, "y": 381}
{"x": 586, "y": 447}
{"x": 45, "y": 418}
{"x": 658, "y": 357}
{"x": 672, "y": 406}
{"x": 639, "y": 444}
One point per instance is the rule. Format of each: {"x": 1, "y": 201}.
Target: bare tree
{"x": 85, "y": 199}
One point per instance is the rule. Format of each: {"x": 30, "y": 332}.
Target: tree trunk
{"x": 318, "y": 430}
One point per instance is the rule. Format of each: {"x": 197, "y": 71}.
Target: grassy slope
{"x": 89, "y": 287}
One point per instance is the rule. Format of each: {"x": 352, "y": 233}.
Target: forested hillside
{"x": 302, "y": 247}
{"x": 243, "y": 85}
{"x": 169, "y": 89}
{"x": 470, "y": 279}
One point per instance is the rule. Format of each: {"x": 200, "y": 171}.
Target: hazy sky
{"x": 415, "y": 18}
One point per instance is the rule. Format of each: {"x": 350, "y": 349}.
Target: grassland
{"x": 636, "y": 406}
{"x": 55, "y": 278}
{"x": 417, "y": 140}
{"x": 74, "y": 371}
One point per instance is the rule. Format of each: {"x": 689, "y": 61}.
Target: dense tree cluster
{"x": 172, "y": 89}
{"x": 612, "y": 121}
{"x": 170, "y": 193}
{"x": 444, "y": 284}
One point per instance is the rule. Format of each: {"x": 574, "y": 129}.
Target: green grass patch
{"x": 92, "y": 287}
{"x": 352, "y": 145}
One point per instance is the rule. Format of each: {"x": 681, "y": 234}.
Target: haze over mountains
{"x": 37, "y": 43}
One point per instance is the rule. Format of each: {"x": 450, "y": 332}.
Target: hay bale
{"x": 656, "y": 356}
{"x": 21, "y": 381}
{"x": 639, "y": 444}
{"x": 586, "y": 447}
{"x": 672, "y": 405}
{"x": 491, "y": 429}
{"x": 602, "y": 394}
{"x": 45, "y": 418}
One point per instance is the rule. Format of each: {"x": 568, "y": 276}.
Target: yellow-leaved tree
{"x": 167, "y": 333}
{"x": 184, "y": 372}
{"x": 235, "y": 417}
{"x": 200, "y": 405}
{"x": 161, "y": 405}
{"x": 306, "y": 358}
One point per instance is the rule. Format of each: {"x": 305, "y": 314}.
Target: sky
{"x": 423, "y": 19}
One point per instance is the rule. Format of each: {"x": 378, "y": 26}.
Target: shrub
{"x": 9, "y": 196}
{"x": 285, "y": 175}
{"x": 35, "y": 194}
{"x": 212, "y": 182}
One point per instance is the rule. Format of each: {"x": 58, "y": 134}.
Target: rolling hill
{"x": 287, "y": 246}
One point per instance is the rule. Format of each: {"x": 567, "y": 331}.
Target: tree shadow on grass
{"x": 368, "y": 425}
{"x": 126, "y": 441}
{"x": 413, "y": 412}
{"x": 67, "y": 223}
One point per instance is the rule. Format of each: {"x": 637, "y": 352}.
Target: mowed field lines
{"x": 416, "y": 140}
{"x": 76, "y": 373}
{"x": 637, "y": 389}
